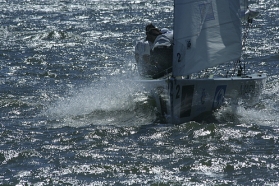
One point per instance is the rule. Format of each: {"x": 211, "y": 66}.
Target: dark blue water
{"x": 68, "y": 115}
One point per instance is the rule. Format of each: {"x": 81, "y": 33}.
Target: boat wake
{"x": 115, "y": 101}
{"x": 123, "y": 102}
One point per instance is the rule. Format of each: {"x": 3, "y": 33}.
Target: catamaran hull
{"x": 182, "y": 100}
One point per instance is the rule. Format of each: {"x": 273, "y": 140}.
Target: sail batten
{"x": 206, "y": 33}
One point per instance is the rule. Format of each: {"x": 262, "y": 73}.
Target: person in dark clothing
{"x": 154, "y": 53}
{"x": 152, "y": 32}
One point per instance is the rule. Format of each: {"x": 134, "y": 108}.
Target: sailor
{"x": 154, "y": 53}
{"x": 151, "y": 33}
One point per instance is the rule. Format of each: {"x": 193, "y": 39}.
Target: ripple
{"x": 69, "y": 116}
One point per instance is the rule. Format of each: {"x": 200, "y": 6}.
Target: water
{"x": 70, "y": 117}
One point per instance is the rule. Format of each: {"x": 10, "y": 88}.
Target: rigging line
{"x": 247, "y": 28}
{"x": 248, "y": 25}
{"x": 245, "y": 35}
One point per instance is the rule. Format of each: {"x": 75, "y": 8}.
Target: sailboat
{"x": 206, "y": 33}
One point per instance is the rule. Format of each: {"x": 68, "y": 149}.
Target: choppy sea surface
{"x": 68, "y": 115}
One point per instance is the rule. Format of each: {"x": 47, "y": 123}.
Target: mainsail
{"x": 206, "y": 33}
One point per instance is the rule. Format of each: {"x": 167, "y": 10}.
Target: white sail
{"x": 206, "y": 33}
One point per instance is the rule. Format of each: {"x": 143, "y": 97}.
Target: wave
{"x": 115, "y": 101}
